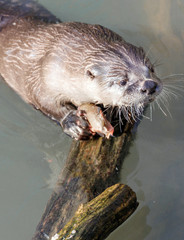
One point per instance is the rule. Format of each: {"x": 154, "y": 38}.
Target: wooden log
{"x": 91, "y": 167}
{"x": 96, "y": 219}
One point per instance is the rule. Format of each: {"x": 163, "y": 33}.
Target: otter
{"x": 58, "y": 67}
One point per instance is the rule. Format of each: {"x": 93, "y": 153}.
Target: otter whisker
{"x": 137, "y": 112}
{"x": 160, "y": 107}
{"x": 169, "y": 90}
{"x": 132, "y": 112}
{"x": 151, "y": 113}
{"x": 174, "y": 81}
{"x": 120, "y": 120}
{"x": 107, "y": 109}
{"x": 117, "y": 113}
{"x": 153, "y": 105}
{"x": 165, "y": 103}
{"x": 179, "y": 85}
{"x": 125, "y": 113}
{"x": 147, "y": 117}
{"x": 138, "y": 118}
{"x": 144, "y": 116}
{"x": 141, "y": 110}
{"x": 157, "y": 63}
{"x": 147, "y": 53}
{"x": 116, "y": 124}
{"x": 165, "y": 94}
{"x": 174, "y": 89}
{"x": 169, "y": 94}
{"x": 113, "y": 109}
{"x": 171, "y": 76}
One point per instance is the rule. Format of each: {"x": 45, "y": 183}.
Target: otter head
{"x": 125, "y": 76}
{"x": 96, "y": 65}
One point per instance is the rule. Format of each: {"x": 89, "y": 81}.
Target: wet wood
{"x": 97, "y": 218}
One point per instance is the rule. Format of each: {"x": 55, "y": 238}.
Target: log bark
{"x": 97, "y": 218}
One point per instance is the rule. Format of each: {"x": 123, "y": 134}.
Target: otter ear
{"x": 90, "y": 74}
{"x": 93, "y": 71}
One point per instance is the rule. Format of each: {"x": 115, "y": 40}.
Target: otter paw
{"x": 76, "y": 126}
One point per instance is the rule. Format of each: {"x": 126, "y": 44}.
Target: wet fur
{"x": 57, "y": 67}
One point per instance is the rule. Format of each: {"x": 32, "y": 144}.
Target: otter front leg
{"x": 74, "y": 124}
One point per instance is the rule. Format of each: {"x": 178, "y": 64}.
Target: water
{"x": 33, "y": 148}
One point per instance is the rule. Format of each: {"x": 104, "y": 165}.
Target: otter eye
{"x": 152, "y": 69}
{"x": 123, "y": 82}
{"x": 89, "y": 74}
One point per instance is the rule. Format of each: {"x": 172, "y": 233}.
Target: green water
{"x": 33, "y": 148}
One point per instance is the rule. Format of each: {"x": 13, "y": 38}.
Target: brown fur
{"x": 57, "y": 67}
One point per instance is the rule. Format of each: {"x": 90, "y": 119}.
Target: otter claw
{"x": 76, "y": 126}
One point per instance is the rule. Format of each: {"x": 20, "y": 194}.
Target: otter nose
{"x": 149, "y": 87}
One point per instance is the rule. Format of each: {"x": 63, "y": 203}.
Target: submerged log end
{"x": 99, "y": 217}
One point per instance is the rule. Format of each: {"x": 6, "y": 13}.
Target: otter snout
{"x": 149, "y": 87}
